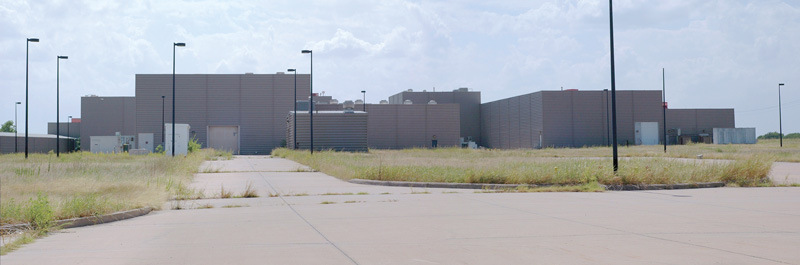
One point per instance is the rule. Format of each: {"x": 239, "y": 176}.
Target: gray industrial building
{"x": 37, "y": 143}
{"x": 252, "y": 114}
{"x": 469, "y": 107}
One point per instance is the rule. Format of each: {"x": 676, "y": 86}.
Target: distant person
{"x": 434, "y": 142}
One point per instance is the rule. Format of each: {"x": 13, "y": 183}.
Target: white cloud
{"x": 716, "y": 53}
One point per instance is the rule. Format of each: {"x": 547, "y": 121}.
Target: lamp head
{"x": 363, "y": 91}
{"x": 780, "y": 84}
{"x": 163, "y": 96}
{"x": 290, "y": 70}
{"x": 33, "y": 39}
{"x": 63, "y": 57}
{"x": 305, "y": 51}
{"x": 180, "y": 44}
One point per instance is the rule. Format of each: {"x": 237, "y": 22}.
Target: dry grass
{"x": 578, "y": 166}
{"x": 85, "y": 184}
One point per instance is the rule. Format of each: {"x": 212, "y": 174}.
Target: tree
{"x": 8, "y": 127}
{"x": 770, "y": 135}
{"x": 792, "y": 136}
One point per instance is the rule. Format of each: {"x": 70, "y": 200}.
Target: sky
{"x": 715, "y": 53}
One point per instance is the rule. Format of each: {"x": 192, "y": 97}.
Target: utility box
{"x": 181, "y": 139}
{"x": 734, "y": 135}
{"x": 103, "y": 144}
{"x": 646, "y": 133}
{"x": 145, "y": 141}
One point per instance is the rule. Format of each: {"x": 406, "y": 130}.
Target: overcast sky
{"x": 717, "y": 54}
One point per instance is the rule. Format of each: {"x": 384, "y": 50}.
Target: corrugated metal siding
{"x": 697, "y": 121}
{"x": 104, "y": 116}
{"x": 258, "y": 104}
{"x": 333, "y": 131}
{"x": 469, "y": 108}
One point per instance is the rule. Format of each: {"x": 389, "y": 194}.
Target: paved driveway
{"x": 313, "y": 220}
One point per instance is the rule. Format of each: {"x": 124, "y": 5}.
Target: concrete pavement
{"x": 397, "y": 225}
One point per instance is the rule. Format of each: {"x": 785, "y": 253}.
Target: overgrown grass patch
{"x": 85, "y": 184}
{"x": 456, "y": 165}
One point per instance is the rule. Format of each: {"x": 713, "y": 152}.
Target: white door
{"x": 646, "y": 133}
{"x": 224, "y": 138}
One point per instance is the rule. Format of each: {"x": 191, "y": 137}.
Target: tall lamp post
{"x": 664, "y": 100}
{"x": 16, "y": 126}
{"x": 69, "y": 123}
{"x": 294, "y": 102}
{"x": 364, "y": 92}
{"x": 58, "y": 124}
{"x": 780, "y": 123}
{"x": 163, "y": 128}
{"x": 176, "y": 44}
{"x": 613, "y": 88}
{"x": 26, "y": 92}
{"x": 311, "y": 99}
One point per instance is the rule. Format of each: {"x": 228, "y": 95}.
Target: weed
{"x": 205, "y": 206}
{"x": 362, "y": 193}
{"x": 327, "y": 202}
{"x": 249, "y": 191}
{"x": 224, "y": 194}
{"x": 336, "y": 193}
{"x": 39, "y": 212}
{"x": 385, "y": 193}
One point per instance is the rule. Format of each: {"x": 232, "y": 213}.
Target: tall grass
{"x": 85, "y": 184}
{"x": 527, "y": 167}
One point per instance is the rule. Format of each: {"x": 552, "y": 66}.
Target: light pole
{"x": 294, "y": 102}
{"x": 613, "y": 88}
{"x": 176, "y": 44}
{"x": 780, "y": 123}
{"x": 605, "y": 94}
{"x": 26, "y": 92}
{"x": 311, "y": 99}
{"x": 163, "y": 128}
{"x": 664, "y": 100}
{"x": 58, "y": 124}
{"x": 364, "y": 92}
{"x": 16, "y": 126}
{"x": 69, "y": 123}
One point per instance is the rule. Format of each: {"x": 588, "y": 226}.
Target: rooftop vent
{"x": 461, "y": 89}
{"x": 359, "y": 102}
{"x": 252, "y": 73}
{"x": 432, "y": 102}
{"x": 334, "y": 101}
{"x": 384, "y": 101}
{"x": 410, "y": 90}
{"x": 408, "y": 102}
{"x": 348, "y": 106}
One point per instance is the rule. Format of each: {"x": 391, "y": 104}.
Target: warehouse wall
{"x": 104, "y": 116}
{"x": 333, "y": 130}
{"x": 257, "y": 103}
{"x": 73, "y": 128}
{"x": 469, "y": 107}
{"x": 393, "y": 126}
{"x": 513, "y": 122}
{"x": 565, "y": 118}
{"x": 37, "y": 143}
{"x": 697, "y": 121}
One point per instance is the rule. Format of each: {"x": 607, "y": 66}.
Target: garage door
{"x": 224, "y": 138}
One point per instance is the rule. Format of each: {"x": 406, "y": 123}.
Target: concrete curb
{"x": 442, "y": 185}
{"x": 84, "y": 221}
{"x": 445, "y": 185}
{"x": 680, "y": 186}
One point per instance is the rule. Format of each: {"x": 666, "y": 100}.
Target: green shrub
{"x": 194, "y": 145}
{"x": 39, "y": 212}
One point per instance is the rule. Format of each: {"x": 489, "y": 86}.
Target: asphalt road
{"x": 313, "y": 220}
